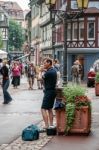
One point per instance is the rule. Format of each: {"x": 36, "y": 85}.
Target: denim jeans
{"x": 6, "y": 94}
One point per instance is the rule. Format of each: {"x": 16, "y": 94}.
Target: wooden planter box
{"x": 97, "y": 89}
{"x": 82, "y": 122}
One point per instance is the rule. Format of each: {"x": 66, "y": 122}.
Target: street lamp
{"x": 50, "y": 3}
{"x": 65, "y": 16}
{"x": 82, "y": 4}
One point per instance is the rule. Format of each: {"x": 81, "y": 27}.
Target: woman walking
{"x": 16, "y": 72}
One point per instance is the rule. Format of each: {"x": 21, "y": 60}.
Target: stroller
{"x": 91, "y": 78}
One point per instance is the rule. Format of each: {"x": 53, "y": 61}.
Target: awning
{"x": 80, "y": 50}
{"x": 22, "y": 57}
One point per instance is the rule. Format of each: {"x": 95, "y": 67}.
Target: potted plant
{"x": 97, "y": 84}
{"x": 76, "y": 117}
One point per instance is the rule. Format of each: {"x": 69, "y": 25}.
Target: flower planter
{"x": 82, "y": 121}
{"x": 60, "y": 121}
{"x": 97, "y": 89}
{"x": 82, "y": 116}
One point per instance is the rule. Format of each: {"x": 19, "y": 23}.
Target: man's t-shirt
{"x": 50, "y": 79}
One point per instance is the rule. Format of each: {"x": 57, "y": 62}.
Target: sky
{"x": 22, "y": 3}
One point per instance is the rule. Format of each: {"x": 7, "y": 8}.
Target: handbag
{"x": 30, "y": 133}
{"x": 59, "y": 104}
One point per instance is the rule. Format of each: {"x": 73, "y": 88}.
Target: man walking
{"x": 50, "y": 80}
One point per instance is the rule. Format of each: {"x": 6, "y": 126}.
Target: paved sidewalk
{"x": 45, "y": 142}
{"x": 19, "y": 144}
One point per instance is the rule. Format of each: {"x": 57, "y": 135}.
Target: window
{"x": 42, "y": 34}
{"x": 33, "y": 11}
{"x": 48, "y": 32}
{"x": 75, "y": 31}
{"x": 4, "y": 33}
{"x": 81, "y": 30}
{"x": 36, "y": 11}
{"x": 91, "y": 30}
{"x": 44, "y": 10}
{"x": 69, "y": 31}
{"x": 1, "y": 17}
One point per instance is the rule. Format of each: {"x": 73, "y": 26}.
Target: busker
{"x": 50, "y": 80}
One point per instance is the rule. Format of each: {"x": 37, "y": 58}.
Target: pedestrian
{"x": 39, "y": 77}
{"x": 56, "y": 66}
{"x": 75, "y": 73}
{"x": 80, "y": 71}
{"x": 20, "y": 64}
{"x": 31, "y": 75}
{"x": 5, "y": 82}
{"x": 16, "y": 72}
{"x": 50, "y": 80}
{"x": 26, "y": 68}
{"x": 96, "y": 68}
{"x": 91, "y": 78}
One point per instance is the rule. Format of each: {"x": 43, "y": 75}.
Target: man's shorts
{"x": 48, "y": 99}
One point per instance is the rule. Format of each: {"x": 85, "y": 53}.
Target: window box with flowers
{"x": 75, "y": 116}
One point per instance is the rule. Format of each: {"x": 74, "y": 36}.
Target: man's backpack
{"x": 30, "y": 133}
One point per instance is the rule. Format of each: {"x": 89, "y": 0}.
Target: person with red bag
{"x": 91, "y": 78}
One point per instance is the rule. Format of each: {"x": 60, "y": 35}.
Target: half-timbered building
{"x": 82, "y": 34}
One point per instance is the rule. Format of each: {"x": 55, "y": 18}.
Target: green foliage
{"x": 16, "y": 36}
{"x": 97, "y": 77}
{"x": 70, "y": 92}
{"x": 70, "y": 115}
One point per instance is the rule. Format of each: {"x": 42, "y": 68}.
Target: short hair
{"x": 49, "y": 60}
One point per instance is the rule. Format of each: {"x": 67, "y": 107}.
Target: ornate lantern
{"x": 82, "y": 4}
{"x": 50, "y": 3}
